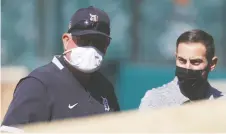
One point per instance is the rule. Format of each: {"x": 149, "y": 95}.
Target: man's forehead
{"x": 191, "y": 51}
{"x": 191, "y": 57}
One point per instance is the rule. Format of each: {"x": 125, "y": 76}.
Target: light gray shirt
{"x": 170, "y": 95}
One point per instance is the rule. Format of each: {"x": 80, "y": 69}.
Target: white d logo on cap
{"x": 93, "y": 18}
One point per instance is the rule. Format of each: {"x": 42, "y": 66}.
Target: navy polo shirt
{"x": 52, "y": 92}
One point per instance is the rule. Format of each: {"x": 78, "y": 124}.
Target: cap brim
{"x": 85, "y": 32}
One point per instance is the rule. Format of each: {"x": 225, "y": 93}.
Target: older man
{"x": 71, "y": 85}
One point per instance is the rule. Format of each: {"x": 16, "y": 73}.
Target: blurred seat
{"x": 205, "y": 116}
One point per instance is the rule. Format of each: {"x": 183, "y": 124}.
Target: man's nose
{"x": 188, "y": 65}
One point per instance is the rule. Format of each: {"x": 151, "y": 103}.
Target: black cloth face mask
{"x": 191, "y": 83}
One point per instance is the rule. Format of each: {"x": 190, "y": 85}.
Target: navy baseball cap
{"x": 89, "y": 20}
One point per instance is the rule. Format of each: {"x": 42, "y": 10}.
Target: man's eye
{"x": 196, "y": 62}
{"x": 182, "y": 61}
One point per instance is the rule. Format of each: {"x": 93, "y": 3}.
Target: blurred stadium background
{"x": 141, "y": 54}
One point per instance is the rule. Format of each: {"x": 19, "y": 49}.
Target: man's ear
{"x": 213, "y": 63}
{"x": 66, "y": 37}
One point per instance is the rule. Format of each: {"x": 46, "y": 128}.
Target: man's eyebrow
{"x": 196, "y": 58}
{"x": 180, "y": 57}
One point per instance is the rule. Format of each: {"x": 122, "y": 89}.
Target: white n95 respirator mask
{"x": 86, "y": 59}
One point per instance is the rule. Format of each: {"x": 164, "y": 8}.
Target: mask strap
{"x": 65, "y": 52}
{"x": 66, "y": 59}
{"x": 64, "y": 55}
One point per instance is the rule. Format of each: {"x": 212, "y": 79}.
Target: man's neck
{"x": 202, "y": 92}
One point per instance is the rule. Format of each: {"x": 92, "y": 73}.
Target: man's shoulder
{"x": 217, "y": 94}
{"x": 35, "y": 77}
{"x": 41, "y": 74}
{"x": 49, "y": 67}
{"x": 55, "y": 65}
{"x": 165, "y": 88}
{"x": 160, "y": 96}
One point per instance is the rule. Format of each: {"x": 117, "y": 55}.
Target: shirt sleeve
{"x": 149, "y": 100}
{"x": 30, "y": 103}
